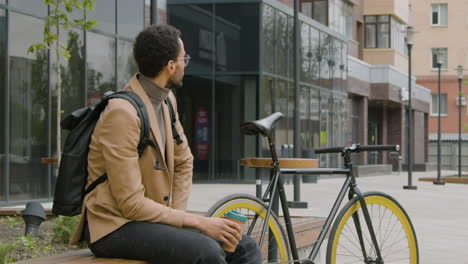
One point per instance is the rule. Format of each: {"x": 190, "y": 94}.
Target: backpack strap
{"x": 145, "y": 140}
{"x": 175, "y": 134}
{"x": 136, "y": 101}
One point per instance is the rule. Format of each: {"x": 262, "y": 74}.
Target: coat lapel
{"x": 136, "y": 87}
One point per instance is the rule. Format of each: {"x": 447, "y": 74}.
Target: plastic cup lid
{"x": 236, "y": 216}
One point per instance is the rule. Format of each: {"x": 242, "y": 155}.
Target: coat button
{"x": 166, "y": 198}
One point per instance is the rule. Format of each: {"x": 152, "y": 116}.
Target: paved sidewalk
{"x": 439, "y": 213}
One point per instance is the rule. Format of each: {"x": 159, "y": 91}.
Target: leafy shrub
{"x": 64, "y": 228}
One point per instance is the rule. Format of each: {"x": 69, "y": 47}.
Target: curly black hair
{"x": 154, "y": 47}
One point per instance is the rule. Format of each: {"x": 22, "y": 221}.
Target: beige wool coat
{"x": 135, "y": 190}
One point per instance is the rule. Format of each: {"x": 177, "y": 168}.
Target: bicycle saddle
{"x": 263, "y": 126}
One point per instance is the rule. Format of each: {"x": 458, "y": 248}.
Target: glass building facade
{"x": 101, "y": 60}
{"x": 242, "y": 69}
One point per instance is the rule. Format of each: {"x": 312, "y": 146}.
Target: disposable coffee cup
{"x": 238, "y": 218}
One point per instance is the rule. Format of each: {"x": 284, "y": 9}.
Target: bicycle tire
{"x": 251, "y": 206}
{"x": 404, "y": 249}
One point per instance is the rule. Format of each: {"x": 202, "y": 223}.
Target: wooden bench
{"x": 306, "y": 231}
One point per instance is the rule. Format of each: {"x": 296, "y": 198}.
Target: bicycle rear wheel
{"x": 252, "y": 206}
{"x": 393, "y": 229}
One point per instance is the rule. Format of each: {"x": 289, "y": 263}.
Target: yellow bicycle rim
{"x": 247, "y": 204}
{"x": 383, "y": 201}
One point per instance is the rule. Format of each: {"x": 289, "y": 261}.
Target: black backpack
{"x": 73, "y": 171}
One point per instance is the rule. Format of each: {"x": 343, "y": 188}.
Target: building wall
{"x": 387, "y": 56}
{"x": 449, "y": 122}
{"x": 454, "y": 36}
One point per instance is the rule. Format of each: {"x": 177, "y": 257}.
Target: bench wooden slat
{"x": 284, "y": 163}
{"x": 84, "y": 256}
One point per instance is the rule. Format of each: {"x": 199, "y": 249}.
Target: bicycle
{"x": 372, "y": 228}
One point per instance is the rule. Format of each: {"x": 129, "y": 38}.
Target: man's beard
{"x": 173, "y": 85}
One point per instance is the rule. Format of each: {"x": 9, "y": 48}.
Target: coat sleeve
{"x": 118, "y": 136}
{"x": 183, "y": 166}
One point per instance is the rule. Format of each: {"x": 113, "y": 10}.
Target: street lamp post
{"x": 409, "y": 43}
{"x": 439, "y": 181}
{"x": 460, "y": 78}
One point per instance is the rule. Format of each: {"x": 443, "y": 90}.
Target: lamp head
{"x": 439, "y": 52}
{"x": 459, "y": 72}
{"x": 409, "y": 35}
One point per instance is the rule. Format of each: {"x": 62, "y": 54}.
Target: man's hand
{"x": 226, "y": 231}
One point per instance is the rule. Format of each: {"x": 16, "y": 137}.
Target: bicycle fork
{"x": 354, "y": 190}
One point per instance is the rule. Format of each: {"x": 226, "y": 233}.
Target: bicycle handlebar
{"x": 358, "y": 148}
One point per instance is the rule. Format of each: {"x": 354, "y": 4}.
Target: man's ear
{"x": 171, "y": 67}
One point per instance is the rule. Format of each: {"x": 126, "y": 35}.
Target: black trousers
{"x": 163, "y": 244}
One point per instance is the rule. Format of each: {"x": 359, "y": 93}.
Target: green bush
{"x": 5, "y": 250}
{"x": 64, "y": 227}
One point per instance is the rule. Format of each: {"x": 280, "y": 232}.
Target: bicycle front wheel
{"x": 275, "y": 247}
{"x": 393, "y": 229}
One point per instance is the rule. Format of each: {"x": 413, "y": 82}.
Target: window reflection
{"x": 268, "y": 39}
{"x": 28, "y": 110}
{"x": 34, "y": 7}
{"x": 282, "y": 43}
{"x": 2, "y": 100}
{"x": 101, "y": 69}
{"x": 195, "y": 23}
{"x": 126, "y": 64}
{"x": 305, "y": 53}
{"x": 131, "y": 17}
{"x": 104, "y": 13}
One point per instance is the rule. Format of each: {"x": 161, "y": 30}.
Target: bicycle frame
{"x": 275, "y": 188}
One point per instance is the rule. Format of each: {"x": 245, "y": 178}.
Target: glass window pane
{"x": 195, "y": 23}
{"x": 104, "y": 13}
{"x": 290, "y": 47}
{"x": 320, "y": 11}
{"x": 3, "y": 33}
{"x": 268, "y": 39}
{"x": 314, "y": 118}
{"x": 126, "y": 64}
{"x": 443, "y": 15}
{"x": 443, "y": 104}
{"x": 282, "y": 44}
{"x": 370, "y": 19}
{"x": 236, "y": 37}
{"x": 306, "y": 8}
{"x": 325, "y": 42}
{"x": 384, "y": 18}
{"x": 34, "y": 7}
{"x": 101, "y": 66}
{"x": 281, "y": 105}
{"x": 370, "y": 36}
{"x": 435, "y": 18}
{"x": 315, "y": 56}
{"x": 131, "y": 17}
{"x": 384, "y": 36}
{"x": 305, "y": 52}
{"x": 28, "y": 110}
{"x": 304, "y": 110}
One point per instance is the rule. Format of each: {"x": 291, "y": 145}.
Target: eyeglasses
{"x": 186, "y": 59}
